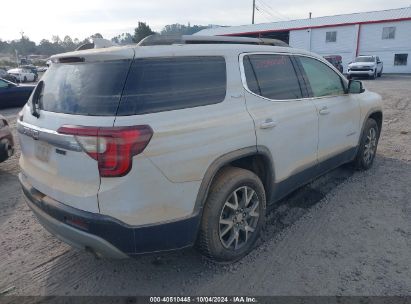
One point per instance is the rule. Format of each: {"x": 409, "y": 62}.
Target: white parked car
{"x": 41, "y": 68}
{"x": 171, "y": 146}
{"x": 370, "y": 66}
{"x": 22, "y": 75}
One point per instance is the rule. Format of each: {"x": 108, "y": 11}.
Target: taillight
{"x": 112, "y": 147}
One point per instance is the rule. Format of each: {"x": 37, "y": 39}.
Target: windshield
{"x": 364, "y": 59}
{"x": 84, "y": 88}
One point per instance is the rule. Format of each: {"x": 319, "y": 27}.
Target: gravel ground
{"x": 347, "y": 233}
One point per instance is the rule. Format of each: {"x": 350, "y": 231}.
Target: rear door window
{"x": 272, "y": 76}
{"x": 164, "y": 84}
{"x": 92, "y": 88}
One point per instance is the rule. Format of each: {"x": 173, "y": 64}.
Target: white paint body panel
{"x": 146, "y": 196}
{"x": 339, "y": 130}
{"x": 165, "y": 179}
{"x": 72, "y": 179}
{"x": 293, "y": 141}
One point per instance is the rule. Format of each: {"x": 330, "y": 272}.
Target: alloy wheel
{"x": 370, "y": 146}
{"x": 239, "y": 218}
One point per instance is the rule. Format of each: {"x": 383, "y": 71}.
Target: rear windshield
{"x": 84, "y": 88}
{"x": 164, "y": 84}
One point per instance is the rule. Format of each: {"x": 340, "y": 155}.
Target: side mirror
{"x": 355, "y": 87}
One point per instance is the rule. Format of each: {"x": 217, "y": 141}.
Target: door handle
{"x": 268, "y": 124}
{"x": 324, "y": 111}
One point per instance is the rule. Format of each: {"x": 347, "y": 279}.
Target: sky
{"x": 82, "y": 18}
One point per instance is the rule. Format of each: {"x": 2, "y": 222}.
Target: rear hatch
{"x": 81, "y": 89}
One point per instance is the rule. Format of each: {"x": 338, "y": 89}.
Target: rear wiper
{"x": 35, "y": 100}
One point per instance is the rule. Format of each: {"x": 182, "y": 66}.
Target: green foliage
{"x": 124, "y": 38}
{"x": 24, "y": 46}
{"x": 7, "y": 63}
{"x": 96, "y": 35}
{"x": 181, "y": 29}
{"x": 141, "y": 32}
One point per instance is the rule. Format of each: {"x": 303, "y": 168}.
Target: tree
{"x": 141, "y": 32}
{"x": 55, "y": 39}
{"x": 124, "y": 38}
{"x": 96, "y": 35}
{"x": 24, "y": 46}
{"x": 4, "y": 47}
{"x": 45, "y": 47}
{"x": 68, "y": 43}
{"x": 181, "y": 29}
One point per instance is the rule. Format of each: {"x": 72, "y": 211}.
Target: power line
{"x": 273, "y": 18}
{"x": 258, "y": 9}
{"x": 272, "y": 11}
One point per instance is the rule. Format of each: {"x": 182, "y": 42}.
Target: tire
{"x": 380, "y": 73}
{"x": 366, "y": 152}
{"x": 25, "y": 79}
{"x": 375, "y": 75}
{"x": 6, "y": 150}
{"x": 349, "y": 77}
{"x": 226, "y": 234}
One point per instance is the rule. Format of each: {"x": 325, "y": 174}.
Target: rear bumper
{"x": 104, "y": 235}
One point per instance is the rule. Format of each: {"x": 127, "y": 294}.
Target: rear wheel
{"x": 233, "y": 215}
{"x": 368, "y": 145}
{"x": 25, "y": 79}
{"x": 6, "y": 149}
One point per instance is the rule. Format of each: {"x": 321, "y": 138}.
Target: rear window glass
{"x": 84, "y": 88}
{"x": 163, "y": 84}
{"x": 272, "y": 76}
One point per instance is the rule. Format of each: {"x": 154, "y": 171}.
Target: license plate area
{"x": 42, "y": 151}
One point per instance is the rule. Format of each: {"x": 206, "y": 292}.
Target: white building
{"x": 386, "y": 34}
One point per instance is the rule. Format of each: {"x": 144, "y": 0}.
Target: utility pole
{"x": 253, "y": 11}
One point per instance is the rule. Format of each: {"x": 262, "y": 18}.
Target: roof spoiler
{"x": 98, "y": 43}
{"x": 157, "y": 39}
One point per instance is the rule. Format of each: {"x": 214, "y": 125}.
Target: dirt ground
{"x": 347, "y": 233}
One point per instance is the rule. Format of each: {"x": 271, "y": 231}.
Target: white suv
{"x": 370, "y": 66}
{"x": 138, "y": 149}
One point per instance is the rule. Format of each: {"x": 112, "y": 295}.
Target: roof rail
{"x": 157, "y": 39}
